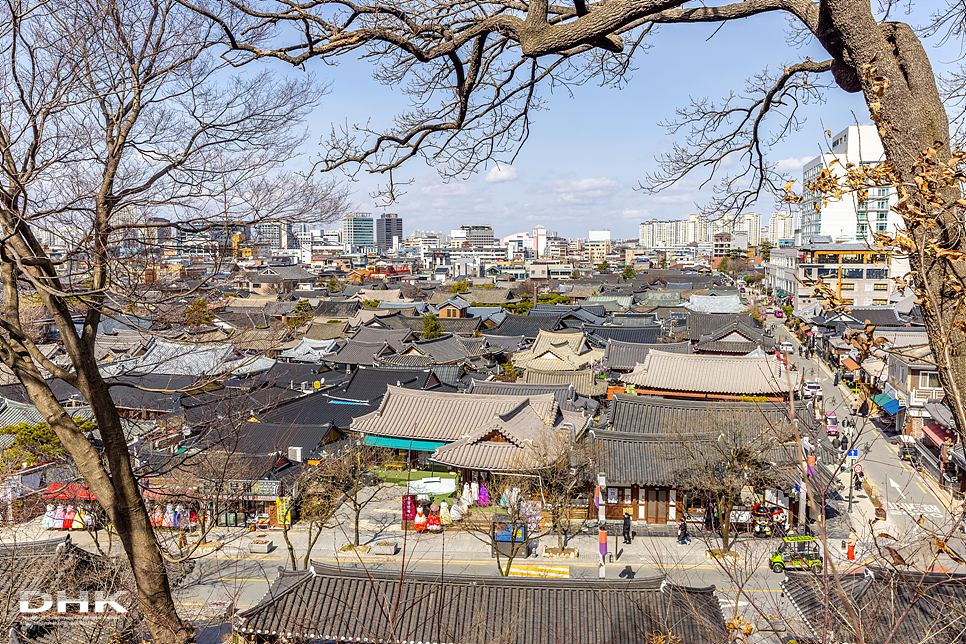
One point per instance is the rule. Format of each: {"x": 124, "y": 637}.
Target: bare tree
{"x": 115, "y": 114}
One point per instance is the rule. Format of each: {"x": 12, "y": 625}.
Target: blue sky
{"x": 587, "y": 153}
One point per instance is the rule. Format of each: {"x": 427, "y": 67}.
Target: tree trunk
{"x": 911, "y": 119}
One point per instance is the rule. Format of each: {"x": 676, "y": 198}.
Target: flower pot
{"x": 260, "y": 546}
{"x": 384, "y": 548}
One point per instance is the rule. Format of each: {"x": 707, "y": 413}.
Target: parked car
{"x": 812, "y": 390}
{"x": 779, "y": 313}
{"x": 797, "y": 553}
{"x": 787, "y": 347}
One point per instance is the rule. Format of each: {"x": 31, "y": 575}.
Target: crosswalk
{"x": 538, "y": 570}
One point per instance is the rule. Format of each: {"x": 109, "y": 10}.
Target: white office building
{"x": 781, "y": 227}
{"x": 847, "y": 219}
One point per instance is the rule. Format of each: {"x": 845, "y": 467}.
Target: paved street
{"x": 905, "y": 492}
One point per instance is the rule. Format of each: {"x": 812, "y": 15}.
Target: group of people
{"x": 432, "y": 517}
{"x": 69, "y": 518}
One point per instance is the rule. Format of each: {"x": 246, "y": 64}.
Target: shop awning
{"x": 893, "y": 407}
{"x": 937, "y": 433}
{"x": 69, "y": 492}
{"x": 850, "y": 364}
{"x": 403, "y": 443}
{"x": 882, "y": 400}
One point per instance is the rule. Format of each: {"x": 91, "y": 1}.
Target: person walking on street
{"x": 683, "y": 537}
{"x": 627, "y": 526}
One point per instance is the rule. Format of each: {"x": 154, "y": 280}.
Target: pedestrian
{"x": 853, "y": 539}
{"x": 683, "y": 537}
{"x": 627, "y": 526}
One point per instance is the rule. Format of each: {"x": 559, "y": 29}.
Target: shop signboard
{"x": 409, "y": 507}
{"x": 283, "y": 510}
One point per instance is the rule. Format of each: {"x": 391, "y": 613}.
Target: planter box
{"x": 260, "y": 548}
{"x": 384, "y": 548}
{"x": 880, "y": 513}
{"x": 557, "y": 553}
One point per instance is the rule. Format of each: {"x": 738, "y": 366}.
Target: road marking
{"x": 562, "y": 572}
{"x": 731, "y": 603}
{"x": 898, "y": 488}
{"x": 231, "y": 579}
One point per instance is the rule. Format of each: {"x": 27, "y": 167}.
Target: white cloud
{"x": 500, "y": 173}
{"x": 792, "y": 164}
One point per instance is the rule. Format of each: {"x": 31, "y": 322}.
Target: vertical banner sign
{"x": 409, "y": 507}
{"x": 283, "y": 510}
{"x": 601, "y": 566}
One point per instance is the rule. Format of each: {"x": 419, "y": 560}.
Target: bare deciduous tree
{"x": 116, "y": 115}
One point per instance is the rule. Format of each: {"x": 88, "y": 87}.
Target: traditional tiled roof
{"x": 446, "y": 349}
{"x": 901, "y": 607}
{"x": 650, "y": 415}
{"x": 516, "y": 440}
{"x": 715, "y": 304}
{"x": 481, "y": 295}
{"x": 638, "y": 459}
{"x": 307, "y": 350}
{"x": 627, "y": 355}
{"x": 703, "y": 324}
{"x": 564, "y": 393}
{"x": 441, "y": 416}
{"x": 326, "y": 330}
{"x": 525, "y": 325}
{"x": 358, "y": 353}
{"x": 558, "y": 351}
{"x": 583, "y": 380}
{"x": 884, "y": 316}
{"x": 336, "y": 310}
{"x": 584, "y": 308}
{"x": 315, "y": 410}
{"x": 512, "y": 610}
{"x": 730, "y": 375}
{"x": 613, "y": 302}
{"x": 640, "y": 334}
{"x": 396, "y": 338}
{"x": 181, "y": 359}
{"x": 510, "y": 343}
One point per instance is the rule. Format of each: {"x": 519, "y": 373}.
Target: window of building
{"x": 878, "y": 302}
{"x": 875, "y": 274}
{"x": 848, "y": 287}
{"x": 929, "y": 380}
{"x": 256, "y": 285}
{"x": 880, "y": 287}
{"x": 828, "y": 272}
{"x": 807, "y": 272}
{"x": 826, "y": 258}
{"x": 881, "y": 227}
{"x": 852, "y": 273}
{"x": 862, "y": 229}
{"x": 877, "y": 258}
{"x": 882, "y": 214}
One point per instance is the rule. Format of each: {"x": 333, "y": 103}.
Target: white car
{"x": 812, "y": 390}
{"x": 787, "y": 347}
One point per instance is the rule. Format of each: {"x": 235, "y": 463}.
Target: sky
{"x": 588, "y": 152}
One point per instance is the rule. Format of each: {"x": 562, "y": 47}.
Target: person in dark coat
{"x": 683, "y": 536}
{"x": 627, "y": 527}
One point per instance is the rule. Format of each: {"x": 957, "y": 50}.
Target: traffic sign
{"x": 857, "y": 468}
{"x": 853, "y": 454}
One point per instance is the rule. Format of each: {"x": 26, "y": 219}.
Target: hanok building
{"x": 676, "y": 375}
{"x": 641, "y": 453}
{"x": 299, "y": 605}
{"x": 421, "y": 422}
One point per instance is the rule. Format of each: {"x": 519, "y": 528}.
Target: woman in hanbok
{"x": 168, "y": 520}
{"x": 505, "y": 498}
{"x": 69, "y": 518}
{"x": 475, "y": 492}
{"x": 78, "y": 523}
{"x": 421, "y": 520}
{"x": 48, "y": 520}
{"x": 457, "y": 512}
{"x": 157, "y": 516}
{"x": 484, "y": 496}
{"x": 467, "y": 496}
{"x": 192, "y": 519}
{"x": 89, "y": 519}
{"x": 59, "y": 518}
{"x": 445, "y": 518}
{"x": 434, "y": 521}
{"x": 179, "y": 517}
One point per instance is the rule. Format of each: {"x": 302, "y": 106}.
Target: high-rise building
{"x": 750, "y": 222}
{"x": 358, "y": 231}
{"x": 389, "y": 231}
{"x": 478, "y": 234}
{"x": 781, "y": 227}
{"x": 676, "y": 232}
{"x": 276, "y": 234}
{"x": 847, "y": 218}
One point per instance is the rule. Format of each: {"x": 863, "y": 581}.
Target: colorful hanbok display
{"x": 49, "y": 518}
{"x": 78, "y": 523}
{"x": 484, "y": 497}
{"x": 69, "y": 518}
{"x": 168, "y": 520}
{"x": 59, "y": 518}
{"x": 434, "y": 520}
{"x": 457, "y": 512}
{"x": 445, "y": 518}
{"x": 421, "y": 520}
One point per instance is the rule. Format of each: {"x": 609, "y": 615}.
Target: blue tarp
{"x": 892, "y": 407}
{"x": 403, "y": 443}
